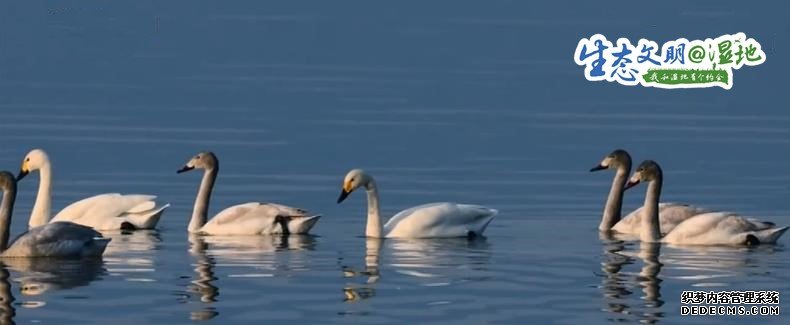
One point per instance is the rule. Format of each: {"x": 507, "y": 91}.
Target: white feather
{"x": 669, "y": 214}
{"x": 722, "y": 228}
{"x": 443, "y": 219}
{"x": 256, "y": 218}
{"x": 110, "y": 211}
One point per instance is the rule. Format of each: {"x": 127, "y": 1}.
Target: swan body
{"x": 443, "y": 219}
{"x": 111, "y": 211}
{"x": 723, "y": 228}
{"x": 712, "y": 228}
{"x": 670, "y": 214}
{"x": 432, "y": 220}
{"x": 56, "y": 239}
{"x": 255, "y": 218}
{"x": 252, "y": 218}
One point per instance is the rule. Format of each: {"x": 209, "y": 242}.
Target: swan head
{"x": 616, "y": 159}
{"x": 647, "y": 171}
{"x": 34, "y": 160}
{"x": 203, "y": 160}
{"x": 7, "y": 181}
{"x": 355, "y": 179}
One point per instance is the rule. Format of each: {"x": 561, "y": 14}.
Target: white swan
{"x": 56, "y": 239}
{"x": 670, "y": 214}
{"x": 253, "y": 218}
{"x": 713, "y": 228}
{"x": 110, "y": 211}
{"x": 430, "y": 220}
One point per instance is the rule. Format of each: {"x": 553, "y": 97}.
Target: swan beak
{"x": 343, "y": 195}
{"x": 185, "y": 169}
{"x": 597, "y": 168}
{"x": 630, "y": 184}
{"x": 22, "y": 174}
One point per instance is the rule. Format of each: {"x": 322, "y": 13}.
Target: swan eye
{"x": 197, "y": 157}
{"x": 27, "y": 159}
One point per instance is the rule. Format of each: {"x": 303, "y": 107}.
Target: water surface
{"x": 469, "y": 102}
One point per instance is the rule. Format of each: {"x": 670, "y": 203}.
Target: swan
{"x": 253, "y": 218}
{"x": 109, "y": 211}
{"x": 55, "y": 239}
{"x": 432, "y": 220}
{"x": 670, "y": 214}
{"x": 712, "y": 228}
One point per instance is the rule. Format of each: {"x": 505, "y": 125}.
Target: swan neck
{"x": 42, "y": 209}
{"x": 373, "y": 228}
{"x": 612, "y": 211}
{"x": 200, "y": 210}
{"x": 650, "y": 231}
{"x": 6, "y": 208}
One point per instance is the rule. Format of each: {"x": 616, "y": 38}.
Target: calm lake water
{"x": 469, "y": 102}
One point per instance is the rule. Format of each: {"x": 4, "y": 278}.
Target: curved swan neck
{"x": 200, "y": 210}
{"x": 373, "y": 228}
{"x": 650, "y": 230}
{"x": 42, "y": 209}
{"x": 612, "y": 211}
{"x": 6, "y": 208}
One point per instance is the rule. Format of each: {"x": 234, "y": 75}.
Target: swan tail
{"x": 302, "y": 225}
{"x": 488, "y": 217}
{"x": 96, "y": 246}
{"x": 770, "y": 236}
{"x": 147, "y": 219}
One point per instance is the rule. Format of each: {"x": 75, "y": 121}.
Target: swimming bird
{"x": 432, "y": 220}
{"x": 253, "y": 218}
{"x": 109, "y": 211}
{"x": 55, "y": 239}
{"x": 670, "y": 214}
{"x": 712, "y": 228}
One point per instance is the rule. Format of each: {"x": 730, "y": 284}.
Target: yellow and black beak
{"x": 23, "y": 171}
{"x": 343, "y": 195}
{"x": 185, "y": 169}
{"x": 22, "y": 174}
{"x": 345, "y": 192}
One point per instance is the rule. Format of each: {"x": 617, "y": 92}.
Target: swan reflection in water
{"x": 211, "y": 252}
{"x": 443, "y": 260}
{"x": 7, "y": 311}
{"x": 355, "y": 292}
{"x": 691, "y": 266}
{"x": 40, "y": 275}
{"x": 717, "y": 266}
{"x": 202, "y": 283}
{"x": 438, "y": 262}
{"x": 129, "y": 254}
{"x": 617, "y": 285}
{"x": 37, "y": 276}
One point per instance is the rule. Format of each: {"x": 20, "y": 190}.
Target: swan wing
{"x": 442, "y": 219}
{"x": 299, "y": 221}
{"x": 110, "y": 210}
{"x": 58, "y": 239}
{"x": 723, "y": 228}
{"x": 669, "y": 214}
{"x": 285, "y": 210}
{"x": 252, "y": 218}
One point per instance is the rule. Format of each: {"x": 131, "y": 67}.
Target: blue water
{"x": 476, "y": 102}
